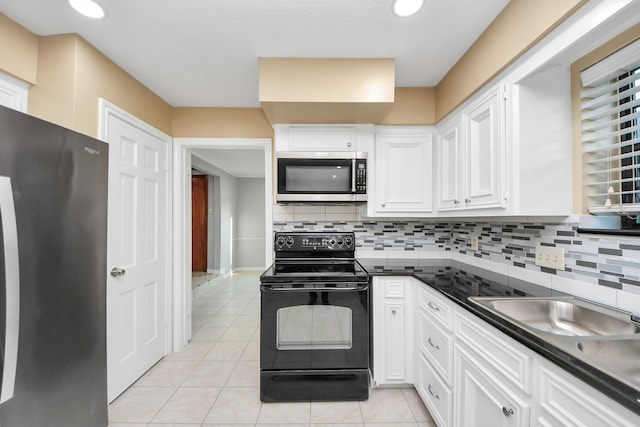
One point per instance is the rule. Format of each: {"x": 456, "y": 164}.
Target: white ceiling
{"x": 205, "y": 52}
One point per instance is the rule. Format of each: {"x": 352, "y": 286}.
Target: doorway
{"x": 182, "y": 152}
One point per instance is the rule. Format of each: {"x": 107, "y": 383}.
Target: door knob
{"x": 117, "y": 272}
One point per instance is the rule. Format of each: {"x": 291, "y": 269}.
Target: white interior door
{"x": 136, "y": 284}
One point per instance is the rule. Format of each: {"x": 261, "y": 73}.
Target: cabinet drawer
{"x": 436, "y": 306}
{"x": 393, "y": 288}
{"x": 436, "y": 345}
{"x": 435, "y": 394}
{"x": 502, "y": 353}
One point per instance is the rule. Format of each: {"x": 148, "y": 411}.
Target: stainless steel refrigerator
{"x": 53, "y": 239}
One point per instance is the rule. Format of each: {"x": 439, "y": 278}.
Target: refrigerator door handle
{"x": 12, "y": 288}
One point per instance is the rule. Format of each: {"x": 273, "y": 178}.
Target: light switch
{"x": 550, "y": 257}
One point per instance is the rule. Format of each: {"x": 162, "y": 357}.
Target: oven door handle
{"x": 358, "y": 287}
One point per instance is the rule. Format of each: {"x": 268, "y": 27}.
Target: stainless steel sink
{"x": 561, "y": 316}
{"x": 619, "y": 355}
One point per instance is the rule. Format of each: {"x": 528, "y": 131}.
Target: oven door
{"x": 320, "y": 327}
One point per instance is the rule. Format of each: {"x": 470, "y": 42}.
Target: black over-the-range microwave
{"x": 321, "y": 176}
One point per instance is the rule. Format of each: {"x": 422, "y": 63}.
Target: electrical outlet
{"x": 550, "y": 257}
{"x": 475, "y": 242}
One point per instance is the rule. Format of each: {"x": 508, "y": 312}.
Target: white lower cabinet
{"x": 435, "y": 394}
{"x": 468, "y": 373}
{"x": 434, "y": 353}
{"x": 482, "y": 399}
{"x": 566, "y": 401}
{"x": 392, "y": 331}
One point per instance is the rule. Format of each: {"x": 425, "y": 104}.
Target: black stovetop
{"x": 333, "y": 270}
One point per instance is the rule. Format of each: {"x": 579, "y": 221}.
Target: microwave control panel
{"x": 361, "y": 176}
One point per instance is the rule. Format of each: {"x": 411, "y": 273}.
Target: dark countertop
{"x": 458, "y": 281}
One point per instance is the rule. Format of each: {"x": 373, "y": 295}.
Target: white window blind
{"x": 610, "y": 106}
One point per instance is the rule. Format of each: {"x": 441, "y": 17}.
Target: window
{"x": 610, "y": 106}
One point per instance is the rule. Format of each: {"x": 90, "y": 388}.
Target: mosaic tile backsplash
{"x": 610, "y": 261}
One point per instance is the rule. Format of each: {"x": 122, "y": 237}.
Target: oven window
{"x": 329, "y": 178}
{"x": 314, "y": 327}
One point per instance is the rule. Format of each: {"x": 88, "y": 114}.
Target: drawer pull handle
{"x": 433, "y": 307}
{"x": 437, "y": 347}
{"x": 438, "y": 397}
{"x": 507, "y": 412}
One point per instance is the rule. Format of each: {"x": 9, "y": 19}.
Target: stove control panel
{"x": 303, "y": 241}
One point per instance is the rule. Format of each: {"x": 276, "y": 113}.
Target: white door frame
{"x": 106, "y": 110}
{"x": 182, "y": 221}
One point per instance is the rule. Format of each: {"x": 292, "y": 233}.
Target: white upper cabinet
{"x": 450, "y": 165}
{"x": 471, "y": 165}
{"x": 13, "y": 92}
{"x": 485, "y": 152}
{"x": 348, "y": 137}
{"x": 403, "y": 172}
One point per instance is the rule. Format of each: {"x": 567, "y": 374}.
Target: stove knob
{"x": 289, "y": 241}
{"x": 280, "y": 242}
{"x": 340, "y": 242}
{"x": 332, "y": 242}
{"x": 348, "y": 241}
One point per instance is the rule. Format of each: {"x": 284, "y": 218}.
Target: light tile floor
{"x": 215, "y": 381}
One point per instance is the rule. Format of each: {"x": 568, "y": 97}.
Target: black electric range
{"x": 314, "y": 321}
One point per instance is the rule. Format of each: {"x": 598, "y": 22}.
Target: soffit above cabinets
{"x": 326, "y": 90}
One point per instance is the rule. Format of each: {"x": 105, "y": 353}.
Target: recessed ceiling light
{"x": 405, "y": 8}
{"x": 88, "y": 8}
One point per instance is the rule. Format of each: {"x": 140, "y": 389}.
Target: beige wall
{"x": 632, "y": 34}
{"x": 412, "y": 106}
{"x": 52, "y": 98}
{"x": 73, "y": 75}
{"x": 99, "y": 77}
{"x": 18, "y": 50}
{"x": 201, "y": 122}
{"x": 69, "y": 76}
{"x": 520, "y": 25}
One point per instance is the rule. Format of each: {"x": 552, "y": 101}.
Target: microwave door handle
{"x": 11, "y": 288}
{"x": 353, "y": 175}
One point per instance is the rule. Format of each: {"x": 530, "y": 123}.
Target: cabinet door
{"x": 566, "y": 401}
{"x": 391, "y": 337}
{"x": 322, "y": 139}
{"x": 482, "y": 398}
{"x": 485, "y": 154}
{"x": 394, "y": 344}
{"x": 404, "y": 180}
{"x": 450, "y": 170}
